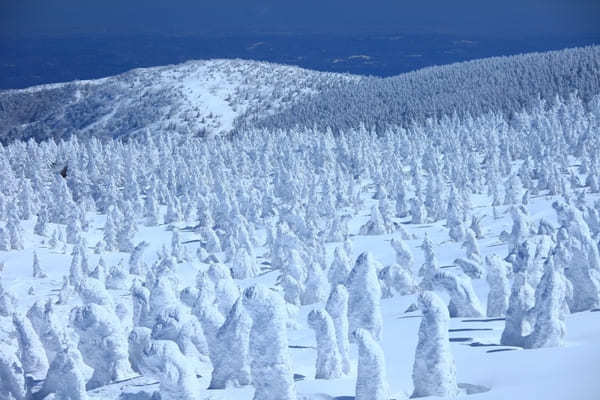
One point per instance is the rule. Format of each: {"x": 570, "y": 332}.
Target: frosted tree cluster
{"x": 232, "y": 209}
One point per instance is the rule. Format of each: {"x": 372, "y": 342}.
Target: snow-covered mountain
{"x": 197, "y": 97}
{"x": 221, "y": 96}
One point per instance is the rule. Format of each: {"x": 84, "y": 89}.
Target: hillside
{"x": 223, "y": 96}
{"x": 197, "y": 97}
{"x": 499, "y": 84}
{"x": 455, "y": 259}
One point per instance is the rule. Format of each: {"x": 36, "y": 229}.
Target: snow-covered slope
{"x": 221, "y": 96}
{"x": 197, "y": 97}
{"x": 164, "y": 261}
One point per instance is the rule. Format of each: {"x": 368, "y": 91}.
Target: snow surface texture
{"x": 239, "y": 268}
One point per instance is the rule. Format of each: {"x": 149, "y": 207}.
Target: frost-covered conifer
{"x": 26, "y": 200}
{"x": 401, "y": 200}
{"x": 471, "y": 247}
{"x": 66, "y": 376}
{"x": 340, "y": 267}
{"x": 110, "y": 233}
{"x": 12, "y": 377}
{"x": 463, "y": 300}
{"x": 514, "y": 190}
{"x": 47, "y": 327}
{"x": 173, "y": 213}
{"x": 231, "y": 364}
{"x": 136, "y": 264}
{"x": 430, "y": 266}
{"x": 211, "y": 240}
{"x": 329, "y": 362}
{"x": 176, "y": 247}
{"x": 418, "y": 213}
{"x": 476, "y": 227}
{"x": 73, "y": 229}
{"x": 364, "y": 296}
{"x": 550, "y": 300}
{"x": 4, "y": 242}
{"x": 497, "y": 279}
{"x": 316, "y": 287}
{"x": 100, "y": 271}
{"x": 75, "y": 272}
{"x": 38, "y": 272}
{"x": 404, "y": 256}
{"x": 454, "y": 217}
{"x": 94, "y": 291}
{"x": 41, "y": 223}
{"x": 371, "y": 377}
{"x": 270, "y": 363}
{"x": 338, "y": 229}
{"x": 293, "y": 277}
{"x": 53, "y": 242}
{"x": 521, "y": 228}
{"x": 226, "y": 289}
{"x": 394, "y": 278}
{"x": 243, "y": 265}
{"x": 125, "y": 234}
{"x": 519, "y": 305}
{"x": 581, "y": 259}
{"x": 163, "y": 360}
{"x": 151, "y": 209}
{"x": 434, "y": 371}
{"x": 141, "y": 305}
{"x": 14, "y": 233}
{"x": 103, "y": 344}
{"x": 31, "y": 351}
{"x": 337, "y": 307}
{"x": 470, "y": 267}
{"x": 375, "y": 225}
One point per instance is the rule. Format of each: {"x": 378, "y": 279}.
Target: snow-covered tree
{"x": 463, "y": 300}
{"x": 38, "y": 272}
{"x": 12, "y": 377}
{"x": 31, "y": 350}
{"x": 41, "y": 223}
{"x": 232, "y": 338}
{"x": 364, "y": 296}
{"x": 316, "y": 287}
{"x": 15, "y": 235}
{"x": 102, "y": 343}
{"x": 163, "y": 360}
{"x": 243, "y": 265}
{"x": 404, "y": 256}
{"x": 434, "y": 371}
{"x": 522, "y": 298}
{"x": 470, "y": 245}
{"x": 340, "y": 267}
{"x": 430, "y": 267}
{"x": 270, "y": 363}
{"x": 371, "y": 379}
{"x": 376, "y": 224}
{"x": 497, "y": 279}
{"x": 580, "y": 258}
{"x": 550, "y": 304}
{"x": 329, "y": 361}
{"x": 337, "y": 307}
{"x": 395, "y": 279}
{"x": 67, "y": 376}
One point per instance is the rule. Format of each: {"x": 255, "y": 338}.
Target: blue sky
{"x": 504, "y": 18}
